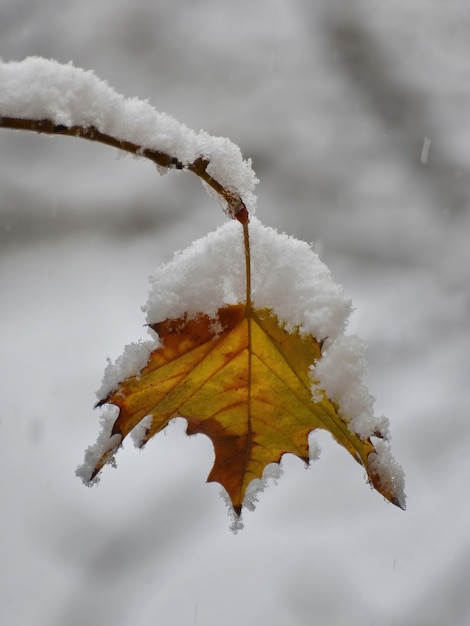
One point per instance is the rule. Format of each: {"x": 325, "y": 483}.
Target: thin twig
{"x": 236, "y": 206}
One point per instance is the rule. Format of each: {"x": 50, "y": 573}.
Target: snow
{"x": 38, "y": 88}
{"x": 425, "y": 150}
{"x": 132, "y": 360}
{"x": 106, "y": 442}
{"x": 80, "y": 233}
{"x": 340, "y": 373}
{"x": 390, "y": 474}
{"x": 287, "y": 277}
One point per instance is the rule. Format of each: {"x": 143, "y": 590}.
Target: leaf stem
{"x": 244, "y": 219}
{"x": 246, "y": 242}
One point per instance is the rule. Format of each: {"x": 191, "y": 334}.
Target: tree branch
{"x": 236, "y": 206}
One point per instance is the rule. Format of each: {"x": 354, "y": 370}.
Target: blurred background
{"x": 357, "y": 118}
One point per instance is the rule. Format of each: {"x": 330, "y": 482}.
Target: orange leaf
{"x": 243, "y": 381}
{"x": 252, "y": 386}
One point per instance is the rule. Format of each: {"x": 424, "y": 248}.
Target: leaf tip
{"x": 386, "y": 476}
{"x": 97, "y": 456}
{"x": 400, "y": 503}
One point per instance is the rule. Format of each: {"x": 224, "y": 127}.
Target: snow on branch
{"x": 45, "y": 96}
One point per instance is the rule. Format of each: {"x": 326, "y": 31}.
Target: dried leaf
{"x": 245, "y": 382}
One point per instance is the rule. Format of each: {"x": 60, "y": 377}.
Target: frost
{"x": 42, "y": 89}
{"x": 271, "y": 473}
{"x": 314, "y": 450}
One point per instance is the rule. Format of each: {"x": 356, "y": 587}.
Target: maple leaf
{"x": 246, "y": 386}
{"x": 245, "y": 381}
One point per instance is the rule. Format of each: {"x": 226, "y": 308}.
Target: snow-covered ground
{"x": 357, "y": 118}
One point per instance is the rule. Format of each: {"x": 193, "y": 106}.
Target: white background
{"x": 333, "y": 101}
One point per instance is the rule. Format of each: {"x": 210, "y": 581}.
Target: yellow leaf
{"x": 243, "y": 381}
{"x": 248, "y": 383}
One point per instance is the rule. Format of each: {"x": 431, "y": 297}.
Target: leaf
{"x": 243, "y": 381}
{"x": 240, "y": 375}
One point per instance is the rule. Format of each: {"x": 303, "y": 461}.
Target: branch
{"x": 236, "y": 206}
{"x": 48, "y": 97}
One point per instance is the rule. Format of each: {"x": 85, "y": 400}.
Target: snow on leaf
{"x": 246, "y": 375}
